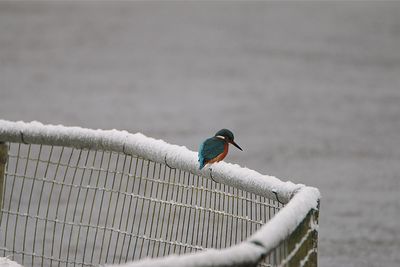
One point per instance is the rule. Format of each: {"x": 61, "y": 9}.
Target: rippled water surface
{"x": 311, "y": 91}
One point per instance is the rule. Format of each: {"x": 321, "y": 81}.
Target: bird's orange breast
{"x": 220, "y": 156}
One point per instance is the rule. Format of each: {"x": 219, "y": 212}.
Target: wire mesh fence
{"x": 83, "y": 207}
{"x": 64, "y": 206}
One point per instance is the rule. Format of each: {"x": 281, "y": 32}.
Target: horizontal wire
{"x": 92, "y": 168}
{"x": 44, "y": 257}
{"x": 178, "y": 185}
{"x": 173, "y": 203}
{"x": 105, "y": 228}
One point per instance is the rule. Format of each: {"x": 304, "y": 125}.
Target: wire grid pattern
{"x": 65, "y": 206}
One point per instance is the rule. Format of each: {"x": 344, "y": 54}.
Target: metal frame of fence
{"x": 74, "y": 196}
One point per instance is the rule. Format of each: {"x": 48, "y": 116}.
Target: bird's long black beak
{"x": 236, "y": 145}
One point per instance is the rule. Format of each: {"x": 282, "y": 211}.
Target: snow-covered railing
{"x": 86, "y": 197}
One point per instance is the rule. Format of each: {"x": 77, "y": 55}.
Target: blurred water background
{"x": 310, "y": 89}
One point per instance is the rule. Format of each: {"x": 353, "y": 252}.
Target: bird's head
{"x": 228, "y": 137}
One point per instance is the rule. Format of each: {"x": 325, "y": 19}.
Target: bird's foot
{"x": 212, "y": 176}
{"x": 166, "y": 163}
{"x": 276, "y": 196}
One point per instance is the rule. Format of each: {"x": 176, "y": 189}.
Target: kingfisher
{"x": 214, "y": 149}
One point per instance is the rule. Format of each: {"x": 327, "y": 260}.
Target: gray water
{"x": 310, "y": 89}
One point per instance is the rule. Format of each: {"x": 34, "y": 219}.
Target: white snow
{"x": 288, "y": 218}
{"x": 5, "y": 262}
{"x": 302, "y": 198}
{"x": 150, "y": 148}
{"x": 244, "y": 254}
{"x": 250, "y": 251}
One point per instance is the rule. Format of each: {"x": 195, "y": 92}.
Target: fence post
{"x": 314, "y": 242}
{"x": 304, "y": 249}
{"x": 3, "y": 161}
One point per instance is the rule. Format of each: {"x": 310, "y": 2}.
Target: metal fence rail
{"x": 91, "y": 204}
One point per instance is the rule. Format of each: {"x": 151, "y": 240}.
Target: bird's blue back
{"x": 210, "y": 149}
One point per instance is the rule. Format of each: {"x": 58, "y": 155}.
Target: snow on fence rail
{"x": 74, "y": 196}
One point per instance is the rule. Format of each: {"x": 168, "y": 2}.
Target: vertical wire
{"x": 197, "y": 211}
{"x": 153, "y": 195}
{"x": 48, "y": 205}
{"x": 128, "y": 175}
{"x": 116, "y": 204}
{"x": 220, "y": 225}
{"x": 93, "y": 204}
{"x": 20, "y": 197}
{"x": 178, "y": 214}
{"x": 269, "y": 217}
{"x": 228, "y": 219}
{"x": 165, "y": 210}
{"x": 243, "y": 215}
{"x": 213, "y": 207}
{"x": 222, "y": 198}
{"x": 258, "y": 216}
{"x": 261, "y": 216}
{"x": 232, "y": 236}
{"x": 68, "y": 203}
{"x": 7, "y": 173}
{"x": 244, "y": 211}
{"x": 222, "y": 202}
{"x": 172, "y": 207}
{"x": 204, "y": 233}
{"x": 185, "y": 209}
{"x": 237, "y": 218}
{"x": 213, "y": 189}
{"x": 217, "y": 205}
{"x": 38, "y": 207}
{"x": 253, "y": 213}
{"x": 193, "y": 178}
{"x": 136, "y": 208}
{"x": 207, "y": 203}
{"x": 3, "y": 198}
{"x": 109, "y": 206}
{"x": 92, "y": 207}
{"x": 249, "y": 211}
{"x": 59, "y": 199}
{"x": 195, "y": 192}
{"x": 173, "y": 225}
{"x": 193, "y": 207}
{"x": 101, "y": 205}
{"x": 201, "y": 212}
{"x": 148, "y": 210}
{"x": 12, "y": 190}
{"x": 76, "y": 205}
{"x": 159, "y": 211}
{"x": 84, "y": 206}
{"x": 142, "y": 208}
{"x": 129, "y": 209}
{"x": 154, "y": 209}
{"x": 213, "y": 211}
{"x": 30, "y": 198}
{"x": 123, "y": 204}
{"x": 232, "y": 211}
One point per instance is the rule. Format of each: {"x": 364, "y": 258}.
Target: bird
{"x": 215, "y": 149}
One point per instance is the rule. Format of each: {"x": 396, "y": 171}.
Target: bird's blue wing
{"x": 209, "y": 149}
